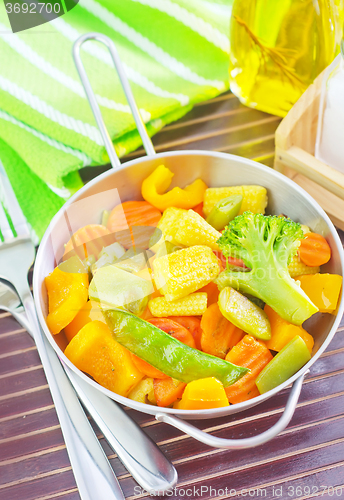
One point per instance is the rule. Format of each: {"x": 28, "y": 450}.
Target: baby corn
{"x": 298, "y": 268}
{"x": 254, "y": 198}
{"x": 187, "y": 228}
{"x": 192, "y": 305}
{"x": 180, "y": 273}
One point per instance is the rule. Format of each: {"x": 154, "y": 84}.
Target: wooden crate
{"x": 295, "y": 144}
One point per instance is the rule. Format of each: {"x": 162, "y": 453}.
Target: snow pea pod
{"x": 167, "y": 354}
{"x": 224, "y": 211}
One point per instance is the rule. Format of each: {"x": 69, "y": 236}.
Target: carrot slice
{"x": 134, "y": 223}
{"x": 314, "y": 250}
{"x": 146, "y": 368}
{"x": 212, "y": 291}
{"x": 88, "y": 240}
{"x": 167, "y": 391}
{"x": 218, "y": 334}
{"x": 252, "y": 354}
{"x": 232, "y": 261}
{"x": 193, "y": 325}
{"x": 174, "y": 329}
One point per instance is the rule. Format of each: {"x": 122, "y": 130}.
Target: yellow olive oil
{"x": 277, "y": 48}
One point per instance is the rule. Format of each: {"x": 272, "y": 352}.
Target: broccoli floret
{"x": 266, "y": 244}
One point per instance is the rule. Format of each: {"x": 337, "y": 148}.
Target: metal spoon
{"x": 139, "y": 454}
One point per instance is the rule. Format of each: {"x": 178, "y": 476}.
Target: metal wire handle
{"x": 240, "y": 444}
{"x": 147, "y": 143}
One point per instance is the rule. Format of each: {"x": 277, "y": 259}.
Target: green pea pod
{"x": 167, "y": 354}
{"x": 224, "y": 211}
{"x": 287, "y": 362}
{"x": 244, "y": 314}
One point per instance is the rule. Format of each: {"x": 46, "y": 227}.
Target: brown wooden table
{"x": 304, "y": 461}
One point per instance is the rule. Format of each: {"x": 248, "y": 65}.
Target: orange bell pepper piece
{"x": 203, "y": 394}
{"x": 94, "y": 351}
{"x": 67, "y": 294}
{"x": 252, "y": 354}
{"x": 282, "y": 332}
{"x": 155, "y": 185}
{"x": 91, "y": 311}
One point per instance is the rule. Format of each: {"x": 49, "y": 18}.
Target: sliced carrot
{"x": 252, "y": 354}
{"x": 88, "y": 240}
{"x": 212, "y": 291}
{"x": 133, "y": 213}
{"x": 232, "y": 261}
{"x": 193, "y": 325}
{"x": 314, "y": 250}
{"x": 146, "y": 368}
{"x": 174, "y": 329}
{"x": 199, "y": 209}
{"x": 167, "y": 391}
{"x": 218, "y": 334}
{"x": 133, "y": 222}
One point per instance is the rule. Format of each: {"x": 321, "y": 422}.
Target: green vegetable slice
{"x": 287, "y": 362}
{"x": 224, "y": 211}
{"x": 244, "y": 314}
{"x": 115, "y": 287}
{"x": 167, "y": 354}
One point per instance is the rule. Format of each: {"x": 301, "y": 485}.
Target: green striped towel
{"x": 175, "y": 54}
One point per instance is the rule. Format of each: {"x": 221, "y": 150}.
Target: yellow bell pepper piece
{"x": 155, "y": 185}
{"x": 67, "y": 294}
{"x": 94, "y": 351}
{"x": 203, "y": 394}
{"x": 322, "y": 289}
{"x": 282, "y": 332}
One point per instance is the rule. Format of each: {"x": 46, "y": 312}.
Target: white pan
{"x": 216, "y": 169}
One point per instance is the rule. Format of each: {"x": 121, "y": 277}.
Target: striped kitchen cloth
{"x": 175, "y": 54}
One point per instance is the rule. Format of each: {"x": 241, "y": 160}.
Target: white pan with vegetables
{"x": 189, "y": 284}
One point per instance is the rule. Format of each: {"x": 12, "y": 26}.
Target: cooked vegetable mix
{"x": 160, "y": 307}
